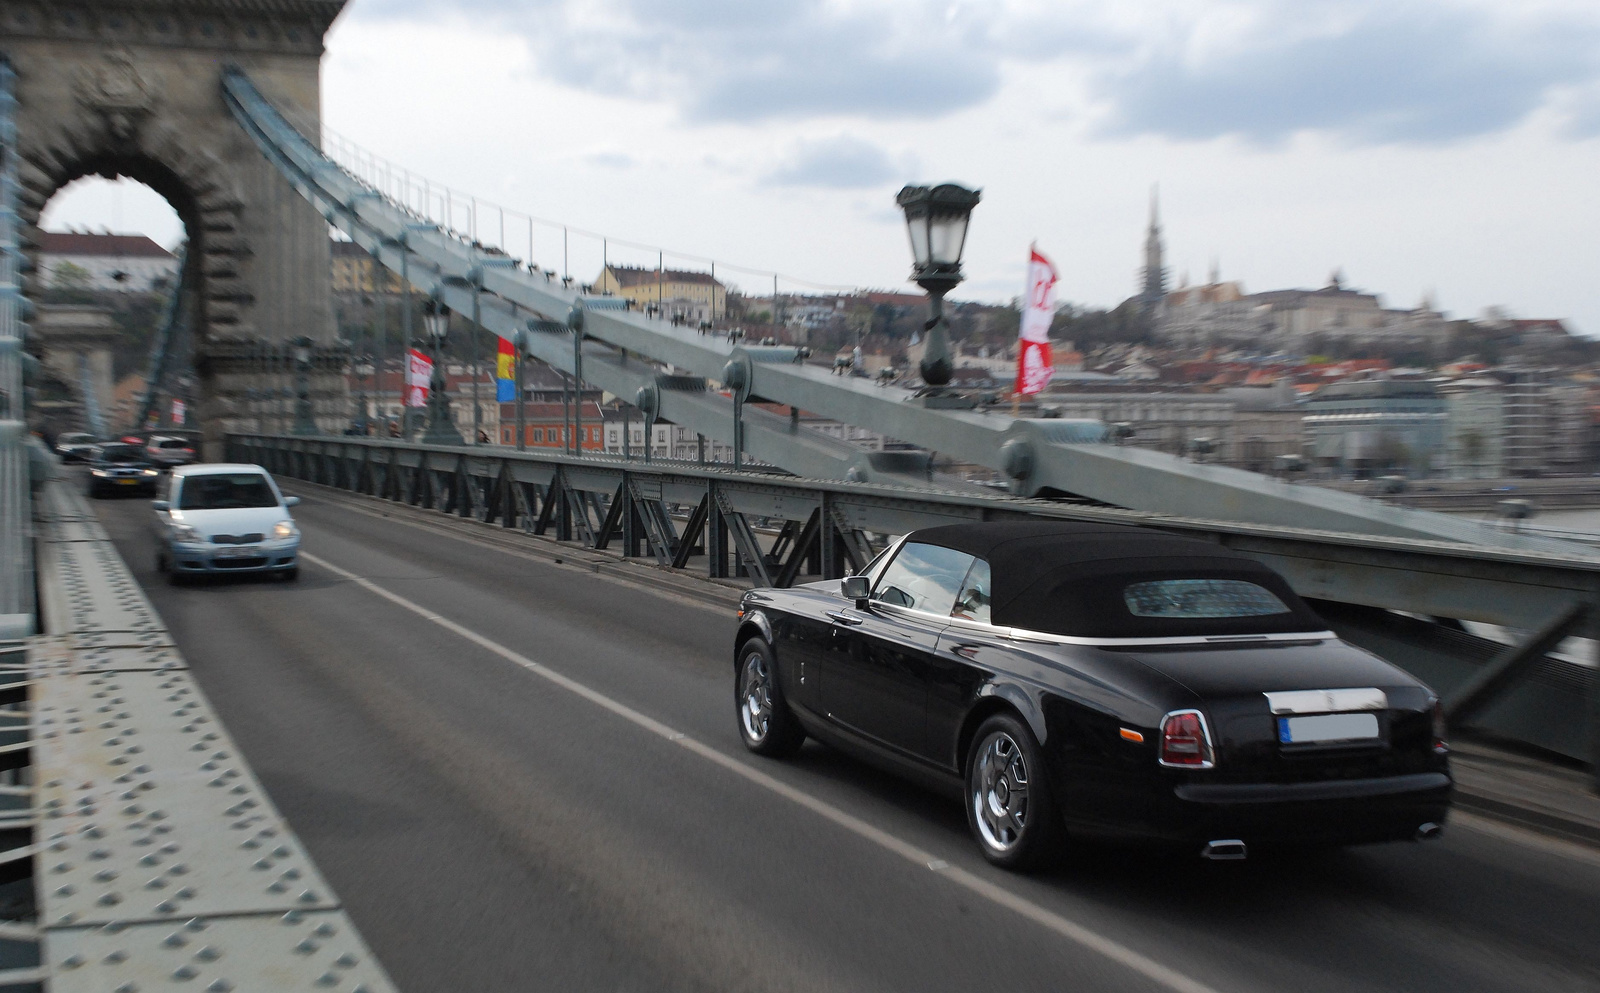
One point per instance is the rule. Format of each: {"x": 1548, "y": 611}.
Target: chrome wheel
{"x": 755, "y": 709}
{"x": 1000, "y": 792}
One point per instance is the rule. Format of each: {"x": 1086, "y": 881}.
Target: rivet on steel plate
{"x": 293, "y": 917}
{"x": 73, "y": 961}
{"x": 220, "y": 986}
{"x": 105, "y": 875}
{"x": 128, "y": 987}
{"x": 347, "y": 960}
{"x": 209, "y": 953}
{"x": 166, "y": 906}
{"x": 185, "y": 894}
{"x": 308, "y": 897}
{"x": 156, "y": 884}
{"x": 327, "y": 979}
{"x": 110, "y": 899}
{"x": 175, "y": 940}
{"x": 325, "y": 930}
{"x": 195, "y": 924}
{"x": 306, "y": 946}
{"x": 185, "y": 972}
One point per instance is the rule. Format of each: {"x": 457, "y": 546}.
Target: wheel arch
{"x": 998, "y": 699}
{"x": 754, "y": 625}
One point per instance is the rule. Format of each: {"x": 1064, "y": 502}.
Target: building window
{"x": 538, "y": 436}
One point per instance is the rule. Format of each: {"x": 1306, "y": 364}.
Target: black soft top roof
{"x": 1067, "y": 577}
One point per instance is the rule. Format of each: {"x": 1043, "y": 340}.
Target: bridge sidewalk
{"x": 1494, "y": 782}
{"x": 1530, "y": 792}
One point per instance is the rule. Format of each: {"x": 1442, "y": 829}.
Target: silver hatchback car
{"x": 225, "y": 519}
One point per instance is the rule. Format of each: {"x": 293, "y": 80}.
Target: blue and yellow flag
{"x": 505, "y": 373}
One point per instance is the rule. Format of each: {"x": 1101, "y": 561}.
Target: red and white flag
{"x": 179, "y": 411}
{"x": 1038, "y": 307}
{"x": 419, "y": 373}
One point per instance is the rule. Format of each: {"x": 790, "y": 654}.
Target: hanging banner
{"x": 1038, "y": 308}
{"x": 419, "y": 373}
{"x": 505, "y": 372}
{"x": 178, "y": 411}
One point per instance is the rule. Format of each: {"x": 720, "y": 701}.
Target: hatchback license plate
{"x": 127, "y": 482}
{"x": 243, "y": 552}
{"x": 1327, "y": 727}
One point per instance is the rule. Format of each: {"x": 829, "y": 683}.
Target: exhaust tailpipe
{"x": 1430, "y": 832}
{"x": 1230, "y": 850}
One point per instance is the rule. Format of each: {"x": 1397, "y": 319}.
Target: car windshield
{"x": 173, "y": 443}
{"x": 76, "y": 439}
{"x": 121, "y": 453}
{"x": 226, "y": 490}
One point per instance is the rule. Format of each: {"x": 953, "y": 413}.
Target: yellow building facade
{"x": 695, "y": 296}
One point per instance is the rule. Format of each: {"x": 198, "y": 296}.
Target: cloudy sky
{"x": 1449, "y": 147}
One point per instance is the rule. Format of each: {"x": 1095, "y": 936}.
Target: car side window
{"x": 923, "y": 577}
{"x": 972, "y": 602}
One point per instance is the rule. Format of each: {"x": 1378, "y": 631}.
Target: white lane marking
{"x": 1071, "y": 930}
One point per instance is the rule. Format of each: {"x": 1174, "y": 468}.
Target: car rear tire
{"x": 1010, "y": 809}
{"x": 766, "y": 724}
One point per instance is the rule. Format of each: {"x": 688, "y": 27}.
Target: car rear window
{"x": 226, "y": 490}
{"x": 174, "y": 443}
{"x": 121, "y": 453}
{"x": 1197, "y": 598}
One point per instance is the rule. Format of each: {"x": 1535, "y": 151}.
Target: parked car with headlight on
{"x": 1077, "y": 680}
{"x": 220, "y": 519}
{"x": 118, "y": 468}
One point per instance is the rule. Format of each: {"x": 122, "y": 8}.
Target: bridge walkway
{"x": 489, "y": 826}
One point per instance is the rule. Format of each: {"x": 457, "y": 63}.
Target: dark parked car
{"x": 119, "y": 468}
{"x": 1087, "y": 680}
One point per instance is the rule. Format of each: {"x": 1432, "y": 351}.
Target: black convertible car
{"x": 1088, "y": 680}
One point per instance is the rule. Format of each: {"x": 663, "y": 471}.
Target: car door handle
{"x": 840, "y": 617}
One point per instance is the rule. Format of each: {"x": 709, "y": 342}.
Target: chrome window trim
{"x": 1023, "y": 634}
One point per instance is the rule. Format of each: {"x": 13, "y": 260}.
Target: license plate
{"x": 236, "y": 553}
{"x": 127, "y": 482}
{"x": 1327, "y": 727}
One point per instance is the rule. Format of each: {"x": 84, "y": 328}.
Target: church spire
{"x": 1154, "y": 290}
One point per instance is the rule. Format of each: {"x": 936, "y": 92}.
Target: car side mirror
{"x": 857, "y": 588}
{"x": 160, "y": 505}
{"x": 291, "y": 501}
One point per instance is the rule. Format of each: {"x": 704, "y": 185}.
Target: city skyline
{"x": 1410, "y": 187}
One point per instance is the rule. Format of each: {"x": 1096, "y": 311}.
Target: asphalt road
{"x": 482, "y": 751}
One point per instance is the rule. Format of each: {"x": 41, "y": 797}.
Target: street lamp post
{"x": 936, "y": 221}
{"x": 441, "y": 427}
{"x": 304, "y": 423}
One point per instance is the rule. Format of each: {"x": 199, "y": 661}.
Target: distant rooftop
{"x": 72, "y": 243}
{"x": 633, "y": 276}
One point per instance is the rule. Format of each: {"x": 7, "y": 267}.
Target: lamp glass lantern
{"x": 936, "y": 222}
{"x": 436, "y": 320}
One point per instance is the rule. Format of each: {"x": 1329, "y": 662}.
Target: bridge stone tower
{"x": 133, "y": 88}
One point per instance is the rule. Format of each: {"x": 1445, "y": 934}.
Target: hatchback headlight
{"x": 185, "y": 533}
{"x": 97, "y": 472}
{"x": 284, "y": 529}
{"x": 152, "y": 472}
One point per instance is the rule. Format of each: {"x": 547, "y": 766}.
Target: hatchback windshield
{"x": 121, "y": 453}
{"x": 226, "y": 490}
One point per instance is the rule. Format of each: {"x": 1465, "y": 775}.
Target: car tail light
{"x": 1441, "y": 728}
{"x": 1185, "y": 741}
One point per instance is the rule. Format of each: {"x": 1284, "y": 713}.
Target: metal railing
{"x": 1401, "y": 597}
{"x": 16, "y": 543}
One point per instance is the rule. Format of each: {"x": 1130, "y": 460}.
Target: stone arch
{"x": 124, "y": 88}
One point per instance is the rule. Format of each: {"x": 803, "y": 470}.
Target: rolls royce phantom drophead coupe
{"x": 1084, "y": 680}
